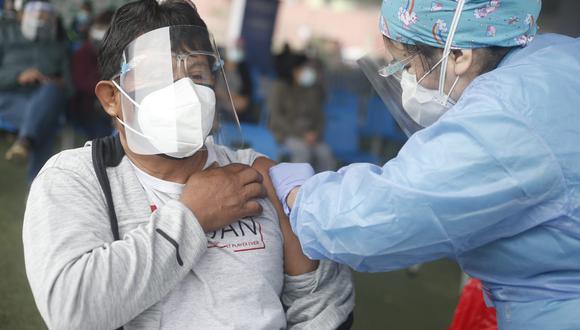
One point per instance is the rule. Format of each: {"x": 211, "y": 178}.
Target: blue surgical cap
{"x": 483, "y": 23}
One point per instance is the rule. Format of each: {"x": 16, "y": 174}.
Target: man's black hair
{"x": 137, "y": 18}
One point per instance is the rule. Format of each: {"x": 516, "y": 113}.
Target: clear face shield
{"x": 385, "y": 76}
{"x": 413, "y": 106}
{"x": 175, "y": 95}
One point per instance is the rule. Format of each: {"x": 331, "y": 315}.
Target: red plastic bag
{"x": 471, "y": 312}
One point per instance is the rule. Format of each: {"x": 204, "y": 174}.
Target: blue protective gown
{"x": 494, "y": 185}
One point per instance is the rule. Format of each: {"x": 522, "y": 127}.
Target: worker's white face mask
{"x": 425, "y": 106}
{"x": 176, "y": 119}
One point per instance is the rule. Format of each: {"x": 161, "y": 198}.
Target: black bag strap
{"x": 108, "y": 152}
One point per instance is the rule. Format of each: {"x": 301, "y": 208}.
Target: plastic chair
{"x": 261, "y": 85}
{"x": 379, "y": 122}
{"x": 261, "y": 139}
{"x": 253, "y": 136}
{"x": 341, "y": 132}
{"x": 7, "y": 127}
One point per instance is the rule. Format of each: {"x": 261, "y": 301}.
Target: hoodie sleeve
{"x": 80, "y": 278}
{"x": 322, "y": 299}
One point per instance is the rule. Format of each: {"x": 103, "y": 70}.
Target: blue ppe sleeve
{"x": 479, "y": 174}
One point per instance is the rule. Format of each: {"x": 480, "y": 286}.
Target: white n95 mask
{"x": 176, "y": 119}
{"x": 425, "y": 106}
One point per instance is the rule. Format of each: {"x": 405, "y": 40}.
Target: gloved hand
{"x": 287, "y": 176}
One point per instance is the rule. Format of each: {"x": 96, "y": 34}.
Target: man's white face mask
{"x": 176, "y": 119}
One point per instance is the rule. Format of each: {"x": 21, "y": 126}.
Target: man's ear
{"x": 463, "y": 61}
{"x": 109, "y": 97}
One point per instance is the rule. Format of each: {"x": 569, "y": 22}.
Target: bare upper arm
{"x": 295, "y": 262}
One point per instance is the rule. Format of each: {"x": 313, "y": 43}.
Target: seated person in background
{"x": 85, "y": 111}
{"x": 202, "y": 242}
{"x": 34, "y": 71}
{"x": 81, "y": 23}
{"x": 295, "y": 103}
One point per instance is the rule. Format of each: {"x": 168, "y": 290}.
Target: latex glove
{"x": 287, "y": 176}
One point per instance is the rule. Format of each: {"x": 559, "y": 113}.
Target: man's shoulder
{"x": 77, "y": 160}
{"x": 225, "y": 155}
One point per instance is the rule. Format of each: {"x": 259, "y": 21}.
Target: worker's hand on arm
{"x": 31, "y": 76}
{"x": 295, "y": 262}
{"x": 220, "y": 196}
{"x": 287, "y": 179}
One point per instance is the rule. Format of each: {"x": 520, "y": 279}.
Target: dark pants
{"x": 35, "y": 113}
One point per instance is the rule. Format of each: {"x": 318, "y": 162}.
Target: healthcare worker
{"x": 490, "y": 176}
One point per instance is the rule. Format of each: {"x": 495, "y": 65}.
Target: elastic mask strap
{"x": 431, "y": 70}
{"x": 448, "y": 43}
{"x": 125, "y": 94}
{"x": 448, "y": 96}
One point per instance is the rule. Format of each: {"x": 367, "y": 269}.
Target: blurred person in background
{"x": 8, "y": 10}
{"x": 84, "y": 110}
{"x": 295, "y": 103}
{"x": 34, "y": 79}
{"x": 82, "y": 21}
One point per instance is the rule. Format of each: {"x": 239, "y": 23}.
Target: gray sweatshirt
{"x": 81, "y": 279}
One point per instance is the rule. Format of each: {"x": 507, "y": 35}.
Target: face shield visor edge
{"x": 170, "y": 104}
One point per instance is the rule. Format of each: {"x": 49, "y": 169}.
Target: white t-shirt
{"x": 238, "y": 282}
{"x": 160, "y": 191}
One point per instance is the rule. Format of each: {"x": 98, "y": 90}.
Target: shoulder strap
{"x": 107, "y": 152}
